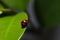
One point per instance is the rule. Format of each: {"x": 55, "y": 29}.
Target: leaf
{"x": 10, "y": 26}
{"x": 17, "y": 4}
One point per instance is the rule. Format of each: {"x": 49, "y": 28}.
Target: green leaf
{"x": 17, "y": 4}
{"x": 10, "y": 26}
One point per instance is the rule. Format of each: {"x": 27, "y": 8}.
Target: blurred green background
{"x": 17, "y": 4}
{"x": 49, "y": 11}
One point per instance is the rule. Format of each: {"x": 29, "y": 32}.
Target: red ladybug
{"x": 24, "y": 23}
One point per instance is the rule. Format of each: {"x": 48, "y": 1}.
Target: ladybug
{"x": 24, "y": 23}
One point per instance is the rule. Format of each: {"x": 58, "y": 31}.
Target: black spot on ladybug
{"x": 24, "y": 23}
